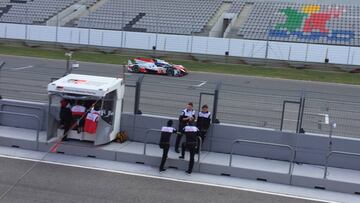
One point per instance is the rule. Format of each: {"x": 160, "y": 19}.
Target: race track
{"x": 56, "y": 183}
{"x": 243, "y": 100}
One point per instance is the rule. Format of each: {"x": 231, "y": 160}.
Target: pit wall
{"x": 311, "y": 149}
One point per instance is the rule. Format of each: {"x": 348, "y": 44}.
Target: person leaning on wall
{"x": 164, "y": 143}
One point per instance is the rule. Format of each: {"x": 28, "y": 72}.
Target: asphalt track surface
{"x": 243, "y": 100}
{"x": 56, "y": 183}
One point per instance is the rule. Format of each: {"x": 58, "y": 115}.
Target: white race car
{"x": 155, "y": 66}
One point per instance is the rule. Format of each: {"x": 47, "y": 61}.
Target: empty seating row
{"x": 163, "y": 16}
{"x": 34, "y": 11}
{"x": 236, "y": 6}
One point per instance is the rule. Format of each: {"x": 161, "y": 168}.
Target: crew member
{"x": 187, "y": 115}
{"x": 91, "y": 120}
{"x": 65, "y": 117}
{"x": 191, "y": 133}
{"x": 203, "y": 122}
{"x": 164, "y": 143}
{"x": 78, "y": 112}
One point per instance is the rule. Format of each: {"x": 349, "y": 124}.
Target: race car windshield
{"x": 161, "y": 62}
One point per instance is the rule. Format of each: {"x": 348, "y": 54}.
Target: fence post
{"x": 102, "y": 38}
{"x": 137, "y": 95}
{"x": 348, "y": 56}
{"x": 252, "y": 50}
{"x": 302, "y": 108}
{"x": 215, "y": 104}
{"x": 267, "y": 40}
{"x": 289, "y": 56}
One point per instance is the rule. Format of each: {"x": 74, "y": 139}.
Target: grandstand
{"x": 31, "y": 11}
{"x": 317, "y": 22}
{"x": 314, "y": 23}
{"x": 170, "y": 16}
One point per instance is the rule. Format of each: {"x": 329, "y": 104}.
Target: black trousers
{"x": 178, "y": 140}
{"x": 202, "y": 134}
{"x": 165, "y": 148}
{"x": 192, "y": 149}
{"x": 67, "y": 125}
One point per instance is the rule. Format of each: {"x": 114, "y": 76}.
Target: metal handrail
{"x": 336, "y": 152}
{"x": 157, "y": 130}
{"x": 20, "y": 105}
{"x": 30, "y": 116}
{"x": 146, "y": 136}
{"x": 264, "y": 143}
{"x": 2, "y": 105}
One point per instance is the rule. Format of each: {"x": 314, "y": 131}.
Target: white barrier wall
{"x": 185, "y": 44}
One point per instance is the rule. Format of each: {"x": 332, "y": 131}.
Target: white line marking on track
{"x": 201, "y": 84}
{"x": 167, "y": 178}
{"x": 19, "y": 68}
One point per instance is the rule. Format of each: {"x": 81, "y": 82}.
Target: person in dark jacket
{"x": 191, "y": 133}
{"x": 66, "y": 118}
{"x": 203, "y": 122}
{"x": 187, "y": 115}
{"x": 165, "y": 143}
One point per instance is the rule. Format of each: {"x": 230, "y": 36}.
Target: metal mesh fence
{"x": 344, "y": 110}
{"x": 169, "y": 97}
{"x": 252, "y": 106}
{"x": 278, "y": 109}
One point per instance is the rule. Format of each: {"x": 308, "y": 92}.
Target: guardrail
{"x": 30, "y": 116}
{"x": 157, "y": 130}
{"x": 41, "y": 109}
{"x": 336, "y": 152}
{"x": 146, "y": 137}
{"x": 268, "y": 144}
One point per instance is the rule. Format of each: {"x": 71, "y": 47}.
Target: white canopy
{"x": 85, "y": 85}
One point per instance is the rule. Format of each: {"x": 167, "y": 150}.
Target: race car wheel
{"x": 136, "y": 69}
{"x": 170, "y": 72}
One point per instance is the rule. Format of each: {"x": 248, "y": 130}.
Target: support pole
{"x": 137, "y": 95}
{"x": 215, "y": 104}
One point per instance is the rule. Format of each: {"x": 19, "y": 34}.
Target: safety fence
{"x": 281, "y": 109}
{"x": 304, "y": 52}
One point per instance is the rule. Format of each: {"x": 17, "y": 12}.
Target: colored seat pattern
{"x": 325, "y": 24}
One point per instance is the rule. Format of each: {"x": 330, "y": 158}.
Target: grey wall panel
{"x": 312, "y": 149}
{"x": 37, "y": 109}
{"x": 342, "y": 187}
{"x": 308, "y": 156}
{"x": 346, "y": 144}
{"x": 308, "y": 182}
{"x": 344, "y": 161}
